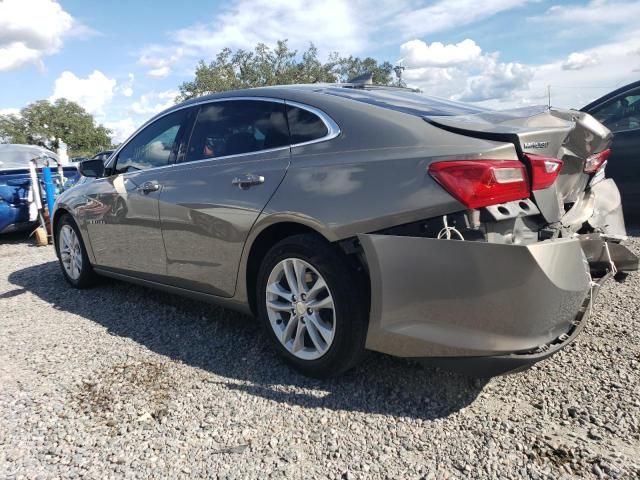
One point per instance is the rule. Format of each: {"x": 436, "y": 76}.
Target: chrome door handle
{"x": 248, "y": 180}
{"x": 148, "y": 187}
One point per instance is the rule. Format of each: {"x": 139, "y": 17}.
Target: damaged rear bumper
{"x": 492, "y": 307}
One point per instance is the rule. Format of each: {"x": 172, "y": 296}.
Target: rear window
{"x": 407, "y": 101}
{"x": 305, "y": 126}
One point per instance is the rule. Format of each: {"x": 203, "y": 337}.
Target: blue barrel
{"x": 49, "y": 188}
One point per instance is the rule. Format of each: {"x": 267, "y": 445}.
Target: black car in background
{"x": 620, "y": 112}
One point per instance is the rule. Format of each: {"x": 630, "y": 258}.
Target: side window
{"x": 155, "y": 146}
{"x": 621, "y": 113}
{"x": 304, "y": 125}
{"x": 234, "y": 127}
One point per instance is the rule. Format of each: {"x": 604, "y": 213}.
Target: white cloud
{"x": 578, "y": 61}
{"x": 153, "y": 102}
{"x": 496, "y": 81}
{"x": 159, "y": 60}
{"x": 417, "y": 53}
{"x": 122, "y": 129}
{"x": 92, "y": 93}
{"x": 506, "y": 85}
{"x": 351, "y": 27}
{"x": 461, "y": 71}
{"x": 595, "y": 13}
{"x": 29, "y": 30}
{"x": 159, "y": 72}
{"x": 444, "y": 15}
{"x": 126, "y": 88}
{"x": 575, "y": 80}
{"x": 575, "y": 88}
{"x": 9, "y": 111}
{"x": 331, "y": 25}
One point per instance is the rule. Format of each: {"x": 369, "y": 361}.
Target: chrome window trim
{"x": 126, "y": 175}
{"x": 224, "y": 157}
{"x": 625, "y": 130}
{"x": 332, "y": 128}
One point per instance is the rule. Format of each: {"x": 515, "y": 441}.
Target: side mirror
{"x": 91, "y": 168}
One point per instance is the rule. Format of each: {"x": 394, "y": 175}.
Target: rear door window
{"x": 304, "y": 125}
{"x": 235, "y": 127}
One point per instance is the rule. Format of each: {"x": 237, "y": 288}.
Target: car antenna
{"x": 398, "y": 69}
{"x": 360, "y": 81}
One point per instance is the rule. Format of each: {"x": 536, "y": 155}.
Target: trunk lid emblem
{"x": 536, "y": 144}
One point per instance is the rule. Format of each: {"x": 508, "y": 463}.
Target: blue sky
{"x": 123, "y": 61}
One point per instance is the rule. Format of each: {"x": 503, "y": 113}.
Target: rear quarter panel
{"x": 374, "y": 175}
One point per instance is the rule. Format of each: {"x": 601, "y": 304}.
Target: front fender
{"x": 71, "y": 202}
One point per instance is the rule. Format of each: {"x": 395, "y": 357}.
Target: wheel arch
{"x": 57, "y": 215}
{"x": 262, "y": 243}
{"x": 61, "y": 211}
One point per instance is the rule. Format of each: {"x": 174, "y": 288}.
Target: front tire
{"x": 72, "y": 254}
{"x": 313, "y": 305}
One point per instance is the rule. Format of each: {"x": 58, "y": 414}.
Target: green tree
{"x": 43, "y": 123}
{"x": 278, "y": 66}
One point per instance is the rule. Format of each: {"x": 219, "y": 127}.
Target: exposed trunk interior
{"x": 568, "y": 206}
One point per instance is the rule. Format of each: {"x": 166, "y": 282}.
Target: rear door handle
{"x": 248, "y": 180}
{"x": 148, "y": 187}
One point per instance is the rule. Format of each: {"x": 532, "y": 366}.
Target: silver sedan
{"x": 350, "y": 217}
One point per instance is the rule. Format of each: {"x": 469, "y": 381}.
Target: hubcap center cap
{"x": 301, "y": 308}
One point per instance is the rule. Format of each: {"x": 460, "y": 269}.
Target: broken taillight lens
{"x": 595, "y": 161}
{"x": 480, "y": 183}
{"x": 544, "y": 170}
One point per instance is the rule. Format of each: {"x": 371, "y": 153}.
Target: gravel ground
{"x": 121, "y": 381}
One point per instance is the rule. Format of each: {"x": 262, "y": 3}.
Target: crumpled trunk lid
{"x": 569, "y": 135}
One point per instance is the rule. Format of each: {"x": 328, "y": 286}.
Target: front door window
{"x": 621, "y": 113}
{"x": 155, "y": 146}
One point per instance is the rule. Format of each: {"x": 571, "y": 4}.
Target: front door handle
{"x": 148, "y": 187}
{"x": 248, "y": 180}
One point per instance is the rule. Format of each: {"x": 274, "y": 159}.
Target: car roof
{"x": 25, "y": 151}
{"x": 610, "y": 95}
{"x": 17, "y": 155}
{"x": 397, "y": 98}
{"x": 16, "y": 147}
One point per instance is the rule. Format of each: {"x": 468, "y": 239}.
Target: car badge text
{"x": 536, "y": 144}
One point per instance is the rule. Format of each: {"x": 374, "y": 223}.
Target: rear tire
{"x": 72, "y": 254}
{"x": 320, "y": 324}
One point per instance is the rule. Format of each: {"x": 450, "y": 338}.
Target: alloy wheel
{"x": 70, "y": 252}
{"x": 300, "y": 309}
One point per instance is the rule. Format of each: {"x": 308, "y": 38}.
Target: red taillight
{"x": 595, "y": 161}
{"x": 480, "y": 183}
{"x": 544, "y": 170}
